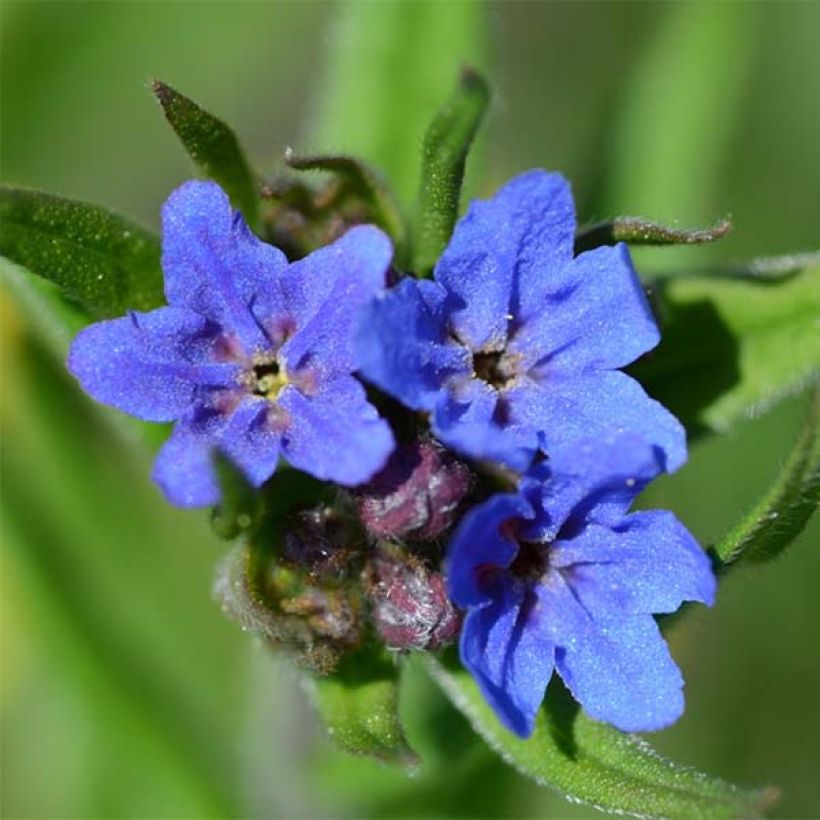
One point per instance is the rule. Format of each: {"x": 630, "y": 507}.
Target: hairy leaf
{"x": 637, "y": 231}
{"x": 779, "y": 517}
{"x": 358, "y": 704}
{"x": 213, "y": 147}
{"x": 593, "y": 763}
{"x": 444, "y": 154}
{"x": 100, "y": 260}
{"x": 731, "y": 347}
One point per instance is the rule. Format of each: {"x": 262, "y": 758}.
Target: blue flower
{"x": 515, "y": 347}
{"x": 253, "y": 355}
{"x": 560, "y": 576}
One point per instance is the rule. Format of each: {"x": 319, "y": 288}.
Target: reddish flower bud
{"x": 417, "y": 493}
{"x": 410, "y": 607}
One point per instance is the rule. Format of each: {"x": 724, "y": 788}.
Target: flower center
{"x": 267, "y": 378}
{"x": 531, "y": 562}
{"x": 494, "y": 367}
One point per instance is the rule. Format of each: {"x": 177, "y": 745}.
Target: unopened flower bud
{"x": 321, "y": 542}
{"x": 410, "y": 607}
{"x": 417, "y": 493}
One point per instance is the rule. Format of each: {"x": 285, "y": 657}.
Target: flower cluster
{"x": 511, "y": 357}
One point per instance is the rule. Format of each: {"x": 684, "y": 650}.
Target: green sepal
{"x": 732, "y": 347}
{"x": 358, "y": 705}
{"x": 590, "y": 762}
{"x": 358, "y": 181}
{"x": 637, "y": 231}
{"x": 785, "y": 509}
{"x": 444, "y": 154}
{"x": 213, "y": 147}
{"x": 101, "y": 261}
{"x": 240, "y": 505}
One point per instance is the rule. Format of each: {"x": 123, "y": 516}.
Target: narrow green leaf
{"x": 444, "y": 154}
{"x": 779, "y": 517}
{"x": 358, "y": 704}
{"x": 590, "y": 762}
{"x": 102, "y": 261}
{"x": 364, "y": 182}
{"x": 732, "y": 348}
{"x": 638, "y": 231}
{"x": 213, "y": 147}
{"x": 389, "y": 68}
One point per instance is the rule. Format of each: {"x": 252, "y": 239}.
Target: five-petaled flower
{"x": 253, "y": 355}
{"x": 515, "y": 347}
{"x": 561, "y": 576}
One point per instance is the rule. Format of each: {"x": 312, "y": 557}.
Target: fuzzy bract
{"x": 562, "y": 577}
{"x": 253, "y": 355}
{"x": 515, "y": 346}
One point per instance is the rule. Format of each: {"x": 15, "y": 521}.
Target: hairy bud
{"x": 409, "y": 603}
{"x": 416, "y": 495}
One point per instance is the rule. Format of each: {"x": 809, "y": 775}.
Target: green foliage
{"x": 213, "y": 147}
{"x": 594, "y": 763}
{"x": 785, "y": 509}
{"x": 443, "y": 157}
{"x": 638, "y": 231}
{"x": 240, "y": 505}
{"x": 390, "y": 67}
{"x": 87, "y": 534}
{"x": 732, "y": 347}
{"x": 676, "y": 113}
{"x": 100, "y": 260}
{"x": 358, "y": 704}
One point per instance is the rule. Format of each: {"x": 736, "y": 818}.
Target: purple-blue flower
{"x": 515, "y": 346}
{"x": 560, "y": 576}
{"x": 252, "y": 355}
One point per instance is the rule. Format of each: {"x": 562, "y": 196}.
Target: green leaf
{"x": 778, "y": 518}
{"x": 444, "y": 154}
{"x": 390, "y": 66}
{"x": 358, "y": 704}
{"x": 731, "y": 348}
{"x": 213, "y": 147}
{"x": 638, "y": 231}
{"x": 363, "y": 182}
{"x": 590, "y": 762}
{"x": 102, "y": 261}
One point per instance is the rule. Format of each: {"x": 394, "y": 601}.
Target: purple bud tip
{"x": 416, "y": 494}
{"x": 410, "y": 607}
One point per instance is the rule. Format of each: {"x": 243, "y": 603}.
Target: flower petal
{"x": 504, "y": 253}
{"x": 251, "y": 441}
{"x": 324, "y": 289}
{"x": 215, "y": 266}
{"x": 336, "y": 434}
{"x": 594, "y": 481}
{"x": 403, "y": 346}
{"x": 649, "y": 563}
{"x": 568, "y": 410}
{"x": 470, "y": 418}
{"x": 508, "y": 656}
{"x": 598, "y": 318}
{"x": 482, "y": 542}
{"x": 619, "y": 669}
{"x": 151, "y": 365}
{"x": 183, "y": 468}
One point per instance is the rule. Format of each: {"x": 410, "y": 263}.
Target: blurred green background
{"x": 125, "y": 692}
